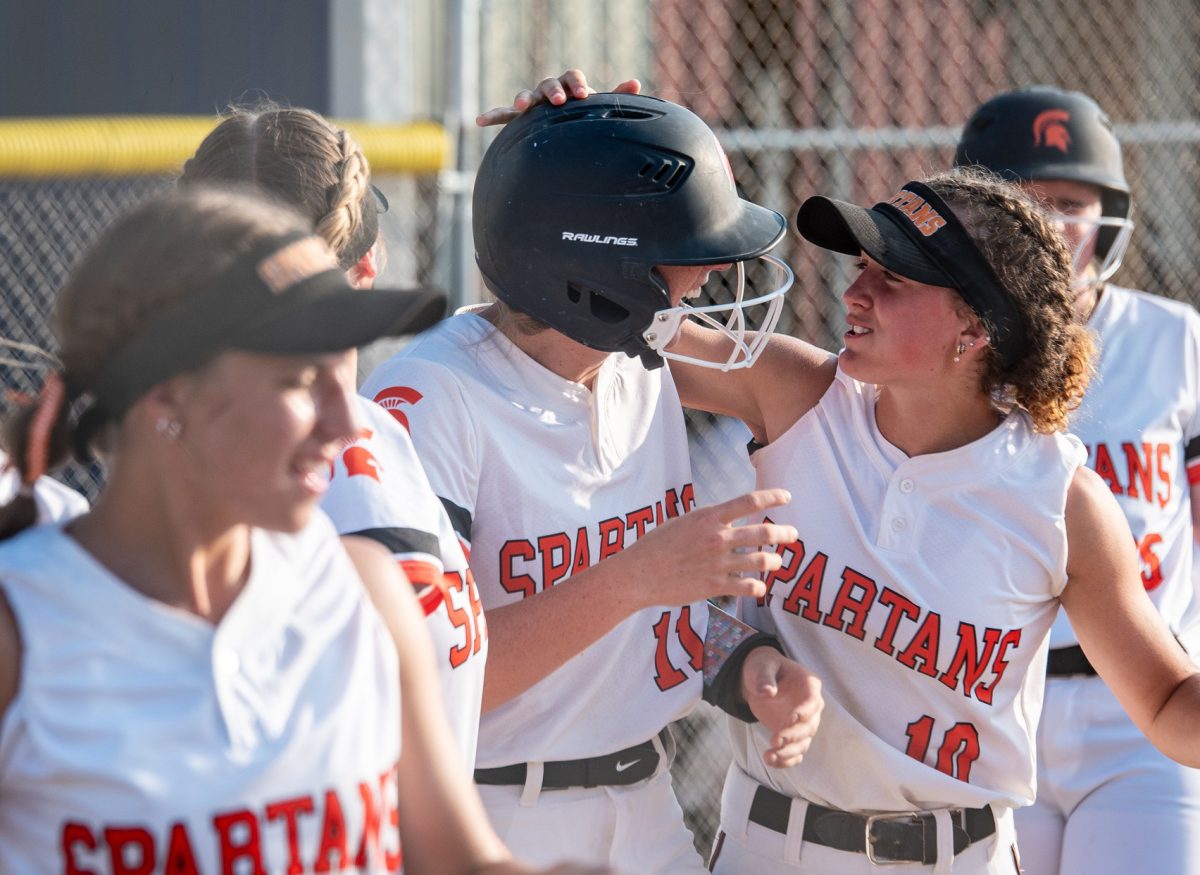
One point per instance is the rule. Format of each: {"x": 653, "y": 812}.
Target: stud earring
{"x": 171, "y": 429}
{"x": 961, "y": 350}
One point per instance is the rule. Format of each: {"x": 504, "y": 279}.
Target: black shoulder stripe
{"x": 399, "y": 540}
{"x": 1191, "y": 452}
{"x": 460, "y": 519}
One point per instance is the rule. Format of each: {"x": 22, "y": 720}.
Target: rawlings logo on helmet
{"x": 610, "y": 240}
{"x": 1050, "y": 130}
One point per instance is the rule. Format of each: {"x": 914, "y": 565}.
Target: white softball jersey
{"x": 144, "y": 739}
{"x": 921, "y": 591}
{"x": 54, "y": 500}
{"x": 1141, "y": 412}
{"x": 543, "y": 478}
{"x": 379, "y": 490}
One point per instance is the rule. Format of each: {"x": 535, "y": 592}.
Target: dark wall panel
{"x": 84, "y": 57}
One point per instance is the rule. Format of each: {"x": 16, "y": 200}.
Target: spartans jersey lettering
{"x": 1137, "y": 423}
{"x": 379, "y": 490}
{"x": 144, "y": 739}
{"x": 911, "y": 634}
{"x": 921, "y": 591}
{"x": 557, "y": 555}
{"x": 240, "y": 839}
{"x": 543, "y": 479}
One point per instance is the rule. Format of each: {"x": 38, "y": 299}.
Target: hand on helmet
{"x": 556, "y": 91}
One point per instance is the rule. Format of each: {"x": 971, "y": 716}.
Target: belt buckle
{"x": 913, "y": 817}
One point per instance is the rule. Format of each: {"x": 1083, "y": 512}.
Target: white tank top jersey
{"x": 1140, "y": 417}
{"x": 921, "y": 591}
{"x": 543, "y": 478}
{"x": 144, "y": 739}
{"x": 379, "y": 490}
{"x": 54, "y": 500}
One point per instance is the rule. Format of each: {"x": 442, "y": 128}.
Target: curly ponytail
{"x": 1033, "y": 263}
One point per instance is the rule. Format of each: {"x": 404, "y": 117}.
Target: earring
{"x": 961, "y": 350}
{"x": 171, "y": 429}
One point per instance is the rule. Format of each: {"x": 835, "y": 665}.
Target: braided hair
{"x": 300, "y": 158}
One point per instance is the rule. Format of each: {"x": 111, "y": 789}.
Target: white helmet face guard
{"x": 664, "y": 328}
{"x": 1112, "y": 258}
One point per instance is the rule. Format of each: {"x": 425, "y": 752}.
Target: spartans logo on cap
{"x": 919, "y": 212}
{"x": 1050, "y": 130}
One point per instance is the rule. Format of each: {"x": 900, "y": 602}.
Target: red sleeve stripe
{"x": 428, "y": 581}
{"x": 1193, "y": 472}
{"x": 431, "y": 599}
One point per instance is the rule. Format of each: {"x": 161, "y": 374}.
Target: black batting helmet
{"x": 1046, "y": 133}
{"x": 576, "y": 204}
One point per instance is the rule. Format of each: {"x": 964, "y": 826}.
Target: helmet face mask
{"x": 665, "y": 327}
{"x": 575, "y": 206}
{"x": 1042, "y": 133}
{"x": 1122, "y": 229}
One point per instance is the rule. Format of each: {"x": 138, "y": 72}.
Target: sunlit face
{"x": 1074, "y": 207}
{"x": 685, "y": 281}
{"x": 260, "y": 432}
{"x": 900, "y": 329}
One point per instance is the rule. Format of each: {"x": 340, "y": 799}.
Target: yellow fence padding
{"x": 33, "y": 148}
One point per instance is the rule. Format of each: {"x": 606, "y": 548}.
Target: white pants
{"x": 745, "y": 848}
{"x": 1107, "y": 800}
{"x": 637, "y": 829}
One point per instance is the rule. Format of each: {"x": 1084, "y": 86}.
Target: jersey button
{"x": 907, "y": 486}
{"x": 899, "y": 524}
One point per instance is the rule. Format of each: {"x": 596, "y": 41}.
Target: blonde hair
{"x": 299, "y": 157}
{"x": 1033, "y": 264}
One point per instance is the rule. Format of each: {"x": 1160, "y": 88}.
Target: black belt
{"x": 1066, "y": 661}
{"x": 624, "y": 767}
{"x": 904, "y": 837}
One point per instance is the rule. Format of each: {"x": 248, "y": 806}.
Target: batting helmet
{"x": 1046, "y": 133}
{"x": 575, "y": 205}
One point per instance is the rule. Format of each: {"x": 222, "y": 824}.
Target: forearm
{"x": 1173, "y": 729}
{"x": 528, "y": 640}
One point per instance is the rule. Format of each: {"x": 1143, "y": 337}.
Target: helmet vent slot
{"x": 574, "y": 293}
{"x": 662, "y": 174}
{"x": 602, "y": 112}
{"x": 606, "y": 310}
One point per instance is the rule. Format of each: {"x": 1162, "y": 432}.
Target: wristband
{"x": 727, "y": 643}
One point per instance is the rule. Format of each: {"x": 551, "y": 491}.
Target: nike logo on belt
{"x": 620, "y": 767}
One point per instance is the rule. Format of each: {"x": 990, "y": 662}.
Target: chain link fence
{"x": 850, "y": 98}
{"x": 47, "y": 224}
{"x": 847, "y": 98}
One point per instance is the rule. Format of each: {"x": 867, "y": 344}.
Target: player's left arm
{"x": 1195, "y": 493}
{"x": 443, "y": 825}
{"x": 747, "y": 675}
{"x": 1191, "y": 461}
{"x": 1123, "y": 635}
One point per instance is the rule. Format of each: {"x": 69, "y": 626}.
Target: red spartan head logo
{"x": 393, "y": 400}
{"x": 1050, "y": 130}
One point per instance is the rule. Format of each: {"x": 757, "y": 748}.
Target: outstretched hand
{"x": 706, "y": 553}
{"x": 787, "y": 701}
{"x": 555, "y": 91}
